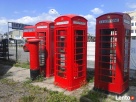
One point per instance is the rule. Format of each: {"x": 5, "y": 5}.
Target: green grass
{"x": 90, "y": 76}
{"x": 27, "y": 99}
{"x": 8, "y": 81}
{"x": 16, "y": 64}
{"x": 59, "y": 97}
{"x": 36, "y": 93}
{"x": 23, "y": 65}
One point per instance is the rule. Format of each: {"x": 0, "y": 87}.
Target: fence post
{"x": 16, "y": 51}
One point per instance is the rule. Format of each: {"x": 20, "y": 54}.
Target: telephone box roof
{"x": 71, "y": 16}
{"x": 113, "y": 13}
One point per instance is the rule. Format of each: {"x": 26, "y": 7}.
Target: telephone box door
{"x": 42, "y": 44}
{"x": 61, "y": 55}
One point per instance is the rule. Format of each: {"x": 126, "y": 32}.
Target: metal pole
{"x": 16, "y": 51}
{"x": 8, "y": 40}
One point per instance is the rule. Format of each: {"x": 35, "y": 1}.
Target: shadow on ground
{"x": 89, "y": 95}
{"x": 95, "y": 95}
{"x": 5, "y": 65}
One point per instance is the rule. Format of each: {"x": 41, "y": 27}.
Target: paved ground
{"x": 21, "y": 55}
{"x": 21, "y": 75}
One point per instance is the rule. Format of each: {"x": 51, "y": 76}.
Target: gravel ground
{"x": 11, "y": 92}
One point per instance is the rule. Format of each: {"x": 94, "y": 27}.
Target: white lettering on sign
{"x": 127, "y": 21}
{"x": 79, "y": 22}
{"x": 41, "y": 26}
{"x": 63, "y": 22}
{"x": 109, "y": 20}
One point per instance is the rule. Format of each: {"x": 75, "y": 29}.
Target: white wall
{"x": 133, "y": 55}
{"x": 91, "y": 53}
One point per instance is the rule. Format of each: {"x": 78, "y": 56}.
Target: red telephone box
{"x": 112, "y": 56}
{"x": 45, "y": 32}
{"x": 70, "y": 51}
{"x": 28, "y": 33}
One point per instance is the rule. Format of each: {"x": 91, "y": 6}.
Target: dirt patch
{"x": 11, "y": 91}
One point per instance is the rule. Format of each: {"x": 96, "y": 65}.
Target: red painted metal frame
{"x": 45, "y": 31}
{"x": 112, "y": 67}
{"x": 70, "y": 44}
{"x": 28, "y": 33}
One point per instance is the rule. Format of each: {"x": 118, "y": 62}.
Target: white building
{"x": 16, "y": 34}
{"x": 133, "y": 24}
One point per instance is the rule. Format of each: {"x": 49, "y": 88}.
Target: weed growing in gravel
{"x": 8, "y": 81}
{"x": 27, "y": 99}
{"x": 23, "y": 65}
{"x": 90, "y": 76}
{"x": 38, "y": 94}
{"x": 55, "y": 96}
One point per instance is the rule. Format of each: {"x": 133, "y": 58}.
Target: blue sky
{"x": 33, "y": 11}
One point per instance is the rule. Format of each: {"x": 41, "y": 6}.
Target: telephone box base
{"x": 34, "y": 74}
{"x": 70, "y": 88}
{"x": 110, "y": 92}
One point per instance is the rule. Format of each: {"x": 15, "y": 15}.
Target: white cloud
{"x": 91, "y": 23}
{"x": 131, "y": 5}
{"x": 53, "y": 11}
{"x": 3, "y": 21}
{"x": 90, "y": 17}
{"x": 97, "y": 11}
{"x": 51, "y": 15}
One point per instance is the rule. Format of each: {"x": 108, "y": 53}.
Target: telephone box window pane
{"x": 61, "y": 52}
{"x": 108, "y": 54}
{"x": 79, "y": 52}
{"x": 126, "y": 53}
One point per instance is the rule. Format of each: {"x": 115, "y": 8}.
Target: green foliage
{"x": 23, "y": 65}
{"x": 8, "y": 81}
{"x": 55, "y": 96}
{"x": 90, "y": 76}
{"x": 40, "y": 78}
{"x": 96, "y": 96}
{"x": 38, "y": 94}
{"x": 27, "y": 99}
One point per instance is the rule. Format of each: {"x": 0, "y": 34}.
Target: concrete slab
{"x": 18, "y": 74}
